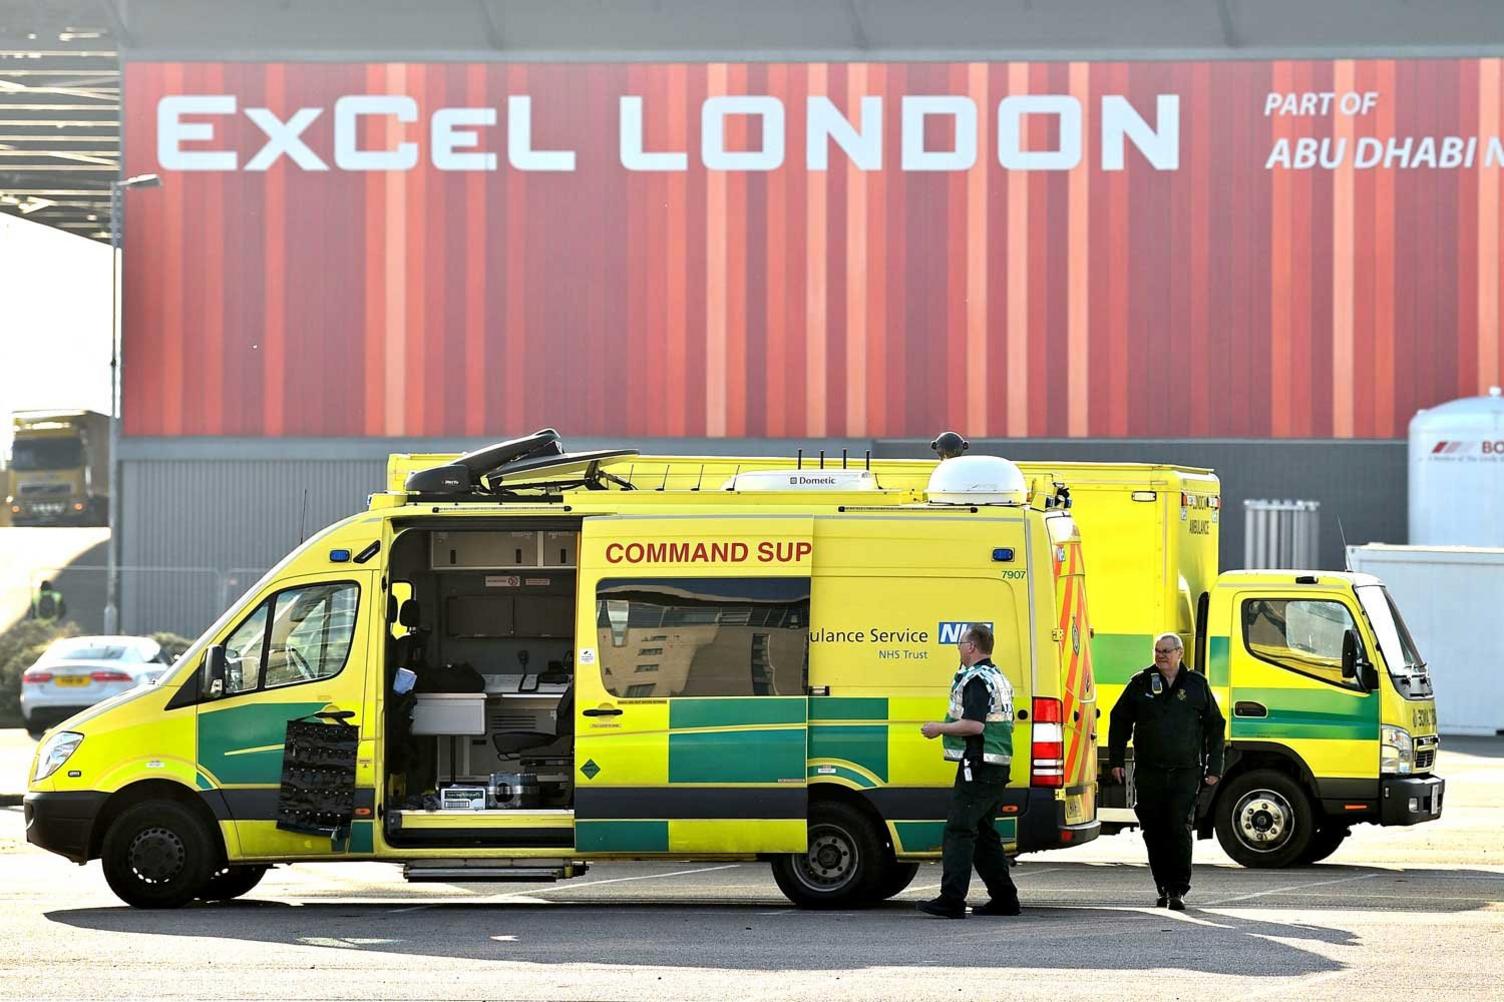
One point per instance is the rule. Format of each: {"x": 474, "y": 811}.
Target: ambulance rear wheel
{"x": 157, "y": 854}
{"x": 230, "y": 882}
{"x": 844, "y": 865}
{"x": 1264, "y": 820}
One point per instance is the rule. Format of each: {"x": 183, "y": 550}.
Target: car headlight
{"x": 1396, "y": 751}
{"x": 55, "y": 751}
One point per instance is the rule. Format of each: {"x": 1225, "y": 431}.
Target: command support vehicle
{"x": 543, "y": 659}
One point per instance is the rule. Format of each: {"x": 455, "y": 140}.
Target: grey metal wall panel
{"x": 1362, "y": 482}
{"x": 197, "y": 531}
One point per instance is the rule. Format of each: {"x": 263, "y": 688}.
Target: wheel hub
{"x": 1264, "y": 820}
{"x": 831, "y": 859}
{"x": 157, "y": 855}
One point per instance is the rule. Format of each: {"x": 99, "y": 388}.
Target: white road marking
{"x": 643, "y": 876}
{"x": 1291, "y": 887}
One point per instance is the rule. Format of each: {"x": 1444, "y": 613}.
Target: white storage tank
{"x": 1457, "y": 473}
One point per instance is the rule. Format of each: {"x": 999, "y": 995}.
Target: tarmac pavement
{"x": 1415, "y": 912}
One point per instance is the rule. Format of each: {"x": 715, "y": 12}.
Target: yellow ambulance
{"x": 1330, "y": 709}
{"x": 520, "y": 661}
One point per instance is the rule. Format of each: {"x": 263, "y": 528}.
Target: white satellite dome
{"x": 977, "y": 480}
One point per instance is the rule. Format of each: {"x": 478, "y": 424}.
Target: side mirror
{"x": 214, "y": 671}
{"x": 1349, "y": 654}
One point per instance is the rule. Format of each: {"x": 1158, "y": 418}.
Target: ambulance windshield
{"x": 1405, "y": 665}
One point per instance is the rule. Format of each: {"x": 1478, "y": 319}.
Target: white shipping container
{"x": 1452, "y": 600}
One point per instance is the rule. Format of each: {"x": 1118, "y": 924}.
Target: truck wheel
{"x": 230, "y": 882}
{"x": 157, "y": 855}
{"x": 1325, "y": 842}
{"x": 844, "y": 865}
{"x": 1264, "y": 820}
{"x": 896, "y": 878}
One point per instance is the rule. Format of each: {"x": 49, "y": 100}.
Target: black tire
{"x": 1325, "y": 842}
{"x": 1264, "y": 820}
{"x": 158, "y": 854}
{"x": 896, "y": 878}
{"x": 230, "y": 882}
{"x": 844, "y": 866}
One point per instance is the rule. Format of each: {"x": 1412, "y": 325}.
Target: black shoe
{"x": 1177, "y": 903}
{"x": 939, "y": 908}
{"x": 995, "y": 907}
{"x": 1161, "y": 901}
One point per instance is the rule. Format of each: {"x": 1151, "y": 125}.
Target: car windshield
{"x": 46, "y": 453}
{"x": 1395, "y": 642}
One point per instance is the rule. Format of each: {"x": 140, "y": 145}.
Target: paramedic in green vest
{"x": 48, "y": 605}
{"x": 1172, "y": 717}
{"x": 978, "y": 735}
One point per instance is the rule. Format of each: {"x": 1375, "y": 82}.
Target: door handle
{"x": 338, "y": 716}
{"x": 602, "y": 711}
{"x": 1248, "y": 708}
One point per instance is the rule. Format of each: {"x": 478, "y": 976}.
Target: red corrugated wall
{"x": 1221, "y": 298}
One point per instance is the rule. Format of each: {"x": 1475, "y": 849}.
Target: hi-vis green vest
{"x": 46, "y": 606}
{"x": 997, "y": 729}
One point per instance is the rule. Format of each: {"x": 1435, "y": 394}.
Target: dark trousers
{"x": 971, "y": 837}
{"x": 1166, "y": 801}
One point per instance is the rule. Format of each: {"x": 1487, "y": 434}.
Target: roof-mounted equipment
{"x": 512, "y": 471}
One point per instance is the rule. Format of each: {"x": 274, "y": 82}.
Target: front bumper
{"x": 63, "y": 822}
{"x": 1410, "y": 800}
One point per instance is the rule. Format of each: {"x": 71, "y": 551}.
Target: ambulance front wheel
{"x": 1265, "y": 820}
{"x": 844, "y": 866}
{"x": 231, "y": 882}
{"x": 158, "y": 854}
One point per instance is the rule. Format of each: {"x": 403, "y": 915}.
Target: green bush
{"x": 173, "y": 644}
{"x": 20, "y": 646}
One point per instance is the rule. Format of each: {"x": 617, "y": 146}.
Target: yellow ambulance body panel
{"x": 604, "y": 663}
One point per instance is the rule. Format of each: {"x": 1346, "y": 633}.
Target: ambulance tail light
{"x": 1047, "y": 752}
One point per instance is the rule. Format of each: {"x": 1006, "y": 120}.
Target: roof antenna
{"x": 303, "y": 519}
{"x": 700, "y": 477}
{"x": 799, "y": 460}
{"x": 1347, "y": 564}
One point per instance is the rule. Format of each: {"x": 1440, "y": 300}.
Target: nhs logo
{"x": 951, "y": 633}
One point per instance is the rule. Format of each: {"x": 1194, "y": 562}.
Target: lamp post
{"x": 112, "y": 573}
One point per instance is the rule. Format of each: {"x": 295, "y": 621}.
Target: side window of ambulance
{"x": 298, "y": 635}
{"x": 674, "y": 637}
{"x": 243, "y": 652}
{"x": 1301, "y": 635}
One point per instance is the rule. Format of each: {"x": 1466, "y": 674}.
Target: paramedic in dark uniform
{"x": 978, "y": 735}
{"x": 1177, "y": 733}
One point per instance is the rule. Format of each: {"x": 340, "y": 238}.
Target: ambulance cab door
{"x": 691, "y": 672}
{"x": 300, "y": 648}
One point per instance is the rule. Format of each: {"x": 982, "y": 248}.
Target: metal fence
{"x": 181, "y": 600}
{"x": 1283, "y": 534}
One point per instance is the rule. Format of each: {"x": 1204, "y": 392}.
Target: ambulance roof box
{"x": 802, "y": 480}
{"x": 977, "y": 480}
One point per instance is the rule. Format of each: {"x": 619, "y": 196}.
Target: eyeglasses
{"x": 1167, "y": 650}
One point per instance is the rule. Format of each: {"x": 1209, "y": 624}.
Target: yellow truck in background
{"x": 1330, "y": 709}
{"x": 521, "y": 661}
{"x": 59, "y": 469}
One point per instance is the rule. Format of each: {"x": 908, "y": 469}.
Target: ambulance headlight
{"x": 1396, "y": 751}
{"x": 54, "y": 752}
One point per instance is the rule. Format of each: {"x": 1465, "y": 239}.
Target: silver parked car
{"x": 77, "y": 672}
